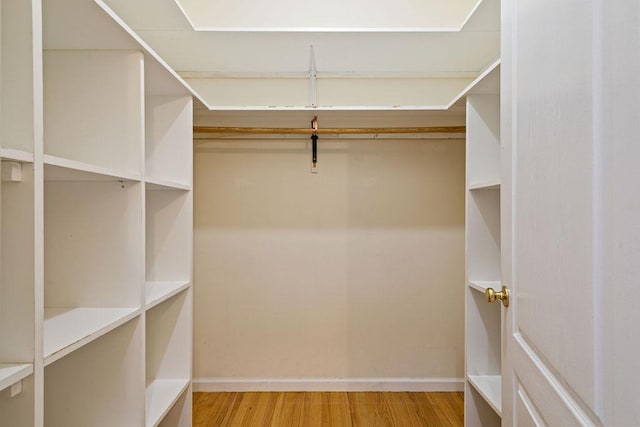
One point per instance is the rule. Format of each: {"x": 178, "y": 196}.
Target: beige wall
{"x": 356, "y": 272}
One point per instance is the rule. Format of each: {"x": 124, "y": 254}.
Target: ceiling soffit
{"x": 258, "y": 68}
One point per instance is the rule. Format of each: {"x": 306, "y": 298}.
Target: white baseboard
{"x": 328, "y": 384}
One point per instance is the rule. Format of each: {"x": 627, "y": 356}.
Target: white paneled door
{"x": 571, "y": 212}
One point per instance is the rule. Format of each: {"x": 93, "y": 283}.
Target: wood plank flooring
{"x": 327, "y": 409}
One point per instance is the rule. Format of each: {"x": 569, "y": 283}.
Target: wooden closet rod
{"x": 325, "y": 131}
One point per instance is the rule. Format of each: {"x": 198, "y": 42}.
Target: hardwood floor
{"x": 328, "y": 409}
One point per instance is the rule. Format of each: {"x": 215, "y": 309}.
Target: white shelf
{"x": 67, "y": 329}
{"x": 486, "y": 185}
{"x": 487, "y": 82}
{"x": 482, "y": 285}
{"x": 60, "y": 169}
{"x": 16, "y": 155}
{"x": 157, "y": 292}
{"x": 12, "y": 373}
{"x": 156, "y": 184}
{"x": 160, "y": 397}
{"x": 490, "y": 388}
{"x": 93, "y": 104}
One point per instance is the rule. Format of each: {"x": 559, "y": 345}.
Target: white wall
{"x": 356, "y": 272}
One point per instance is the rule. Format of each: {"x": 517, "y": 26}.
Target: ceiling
{"x": 295, "y": 55}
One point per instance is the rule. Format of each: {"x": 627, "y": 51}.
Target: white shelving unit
{"x": 168, "y": 263}
{"x": 96, "y": 222}
{"x": 483, "y": 396}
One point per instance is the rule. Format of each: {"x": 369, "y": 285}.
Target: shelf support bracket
{"x": 11, "y": 171}
{"x": 313, "y": 76}
{"x": 13, "y": 390}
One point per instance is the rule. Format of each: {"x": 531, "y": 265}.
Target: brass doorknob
{"x": 502, "y": 295}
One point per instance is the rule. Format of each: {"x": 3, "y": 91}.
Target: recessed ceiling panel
{"x": 312, "y": 15}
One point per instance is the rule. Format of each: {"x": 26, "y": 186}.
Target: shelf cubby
{"x": 484, "y": 335}
{"x": 168, "y": 236}
{"x": 169, "y": 135}
{"x": 93, "y": 263}
{"x": 16, "y": 76}
{"x": 93, "y": 104}
{"x": 93, "y": 244}
{"x": 180, "y": 413}
{"x": 99, "y": 384}
{"x": 478, "y": 410}
{"x": 161, "y": 396}
{"x": 168, "y": 344}
{"x": 483, "y": 235}
{"x": 484, "y": 362}
{"x": 17, "y": 277}
{"x": 483, "y": 140}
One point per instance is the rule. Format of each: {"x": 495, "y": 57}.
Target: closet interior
{"x": 96, "y": 235}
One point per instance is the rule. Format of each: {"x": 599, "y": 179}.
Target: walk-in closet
{"x": 340, "y": 213}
